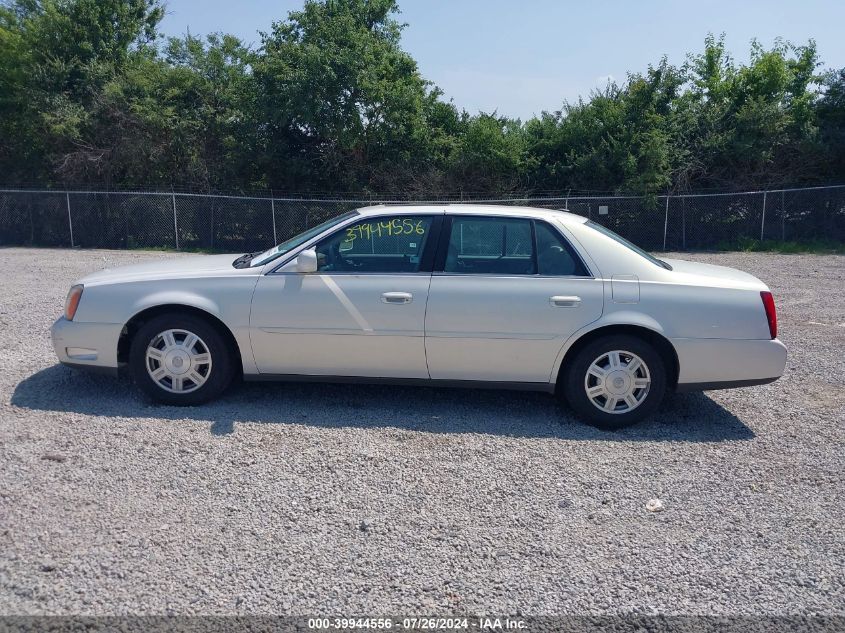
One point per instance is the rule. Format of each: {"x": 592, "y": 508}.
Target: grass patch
{"x": 750, "y": 245}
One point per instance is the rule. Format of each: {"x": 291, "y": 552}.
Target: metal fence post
{"x": 273, "y": 211}
{"x": 31, "y": 223}
{"x": 666, "y": 222}
{"x": 782, "y": 217}
{"x": 763, "y": 219}
{"x": 175, "y": 224}
{"x": 69, "y": 218}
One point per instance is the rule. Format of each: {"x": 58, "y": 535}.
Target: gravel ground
{"x": 383, "y": 500}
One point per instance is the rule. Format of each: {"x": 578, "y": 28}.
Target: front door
{"x": 361, "y": 314}
{"x": 508, "y": 294}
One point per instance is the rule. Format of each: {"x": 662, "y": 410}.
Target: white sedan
{"x": 458, "y": 295}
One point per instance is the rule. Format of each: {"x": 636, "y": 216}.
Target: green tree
{"x": 59, "y": 57}
{"x": 490, "y": 155}
{"x": 620, "y": 140}
{"x": 754, "y": 125}
{"x": 830, "y": 111}
{"x": 340, "y": 98}
{"x": 90, "y": 93}
{"x": 182, "y": 118}
{"x": 21, "y": 140}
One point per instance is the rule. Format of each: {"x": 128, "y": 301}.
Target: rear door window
{"x": 502, "y": 246}
{"x": 509, "y": 246}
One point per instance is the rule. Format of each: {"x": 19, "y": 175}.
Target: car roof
{"x": 473, "y": 209}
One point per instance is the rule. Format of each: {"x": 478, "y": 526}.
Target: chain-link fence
{"x": 183, "y": 221}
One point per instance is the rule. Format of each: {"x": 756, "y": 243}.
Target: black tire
{"x": 575, "y": 373}
{"x": 219, "y": 372}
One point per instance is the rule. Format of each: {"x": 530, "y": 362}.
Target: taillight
{"x": 771, "y": 313}
{"x": 72, "y": 302}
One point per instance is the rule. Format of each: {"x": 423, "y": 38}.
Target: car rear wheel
{"x": 615, "y": 381}
{"x": 180, "y": 359}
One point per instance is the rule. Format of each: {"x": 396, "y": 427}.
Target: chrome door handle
{"x": 565, "y": 302}
{"x": 397, "y": 297}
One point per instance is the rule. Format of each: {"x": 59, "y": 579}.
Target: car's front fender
{"x": 172, "y": 297}
{"x": 226, "y": 298}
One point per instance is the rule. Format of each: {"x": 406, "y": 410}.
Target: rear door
{"x": 505, "y": 295}
{"x": 361, "y": 314}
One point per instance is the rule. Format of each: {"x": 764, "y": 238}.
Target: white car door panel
{"x": 511, "y": 291}
{"x": 340, "y": 325}
{"x": 504, "y": 328}
{"x": 361, "y": 314}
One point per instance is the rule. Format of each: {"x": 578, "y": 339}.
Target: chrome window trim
{"x": 513, "y": 275}
{"x": 355, "y": 274}
{"x": 286, "y": 259}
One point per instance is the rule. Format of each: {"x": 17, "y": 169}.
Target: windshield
{"x": 284, "y": 247}
{"x": 627, "y": 244}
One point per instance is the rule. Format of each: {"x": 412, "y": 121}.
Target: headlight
{"x": 72, "y": 302}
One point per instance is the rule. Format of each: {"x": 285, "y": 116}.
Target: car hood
{"x": 196, "y": 266}
{"x": 711, "y": 275}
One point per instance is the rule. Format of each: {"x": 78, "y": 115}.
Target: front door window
{"x": 390, "y": 244}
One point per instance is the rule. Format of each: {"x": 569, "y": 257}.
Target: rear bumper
{"x": 90, "y": 346}
{"x": 725, "y": 363}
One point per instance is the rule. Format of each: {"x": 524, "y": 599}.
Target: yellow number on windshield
{"x": 385, "y": 228}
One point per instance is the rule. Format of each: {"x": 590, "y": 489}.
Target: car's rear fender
{"x": 622, "y": 321}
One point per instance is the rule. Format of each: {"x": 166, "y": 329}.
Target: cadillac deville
{"x": 457, "y": 295}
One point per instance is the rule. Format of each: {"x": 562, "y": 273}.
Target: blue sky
{"x": 524, "y": 57}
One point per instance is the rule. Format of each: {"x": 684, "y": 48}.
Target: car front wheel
{"x": 180, "y": 359}
{"x": 615, "y": 381}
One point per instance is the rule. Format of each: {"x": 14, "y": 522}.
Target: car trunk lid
{"x": 712, "y": 275}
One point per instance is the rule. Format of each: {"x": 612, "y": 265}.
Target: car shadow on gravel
{"x": 683, "y": 418}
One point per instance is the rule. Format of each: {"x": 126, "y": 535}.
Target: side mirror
{"x": 306, "y": 261}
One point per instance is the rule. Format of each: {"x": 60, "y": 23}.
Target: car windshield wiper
{"x": 243, "y": 260}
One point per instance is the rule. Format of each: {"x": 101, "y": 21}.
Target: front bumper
{"x": 726, "y": 363}
{"x": 86, "y": 345}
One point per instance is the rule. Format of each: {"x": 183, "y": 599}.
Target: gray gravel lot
{"x": 383, "y": 500}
